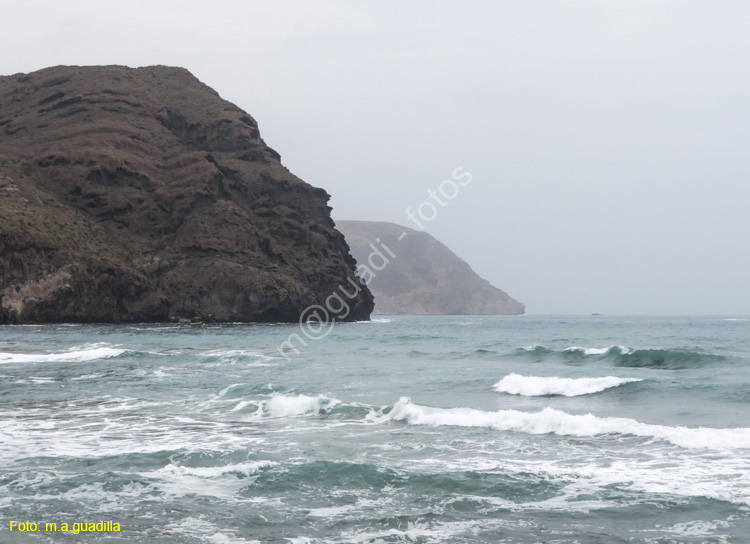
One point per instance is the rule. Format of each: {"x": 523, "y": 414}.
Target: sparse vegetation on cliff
{"x": 141, "y": 195}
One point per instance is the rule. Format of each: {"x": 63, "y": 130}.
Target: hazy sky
{"x": 608, "y": 140}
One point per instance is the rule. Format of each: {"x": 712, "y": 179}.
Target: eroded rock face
{"x": 422, "y": 276}
{"x": 140, "y": 195}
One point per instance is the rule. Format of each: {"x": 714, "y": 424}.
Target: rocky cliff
{"x": 421, "y": 275}
{"x": 140, "y": 195}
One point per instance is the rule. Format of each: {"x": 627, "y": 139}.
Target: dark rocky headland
{"x": 424, "y": 277}
{"x": 140, "y": 195}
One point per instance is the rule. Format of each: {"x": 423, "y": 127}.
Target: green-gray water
{"x": 406, "y": 429}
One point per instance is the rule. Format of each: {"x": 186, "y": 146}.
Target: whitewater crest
{"x": 551, "y": 421}
{"x": 657, "y": 358}
{"x": 277, "y": 405}
{"x": 239, "y": 469}
{"x": 89, "y": 352}
{"x": 621, "y": 350}
{"x": 537, "y": 386}
{"x": 611, "y": 350}
{"x": 296, "y": 405}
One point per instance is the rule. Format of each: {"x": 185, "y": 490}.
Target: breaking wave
{"x": 239, "y": 469}
{"x": 550, "y": 421}
{"x": 295, "y": 405}
{"x": 536, "y": 386}
{"x": 91, "y": 352}
{"x": 667, "y": 359}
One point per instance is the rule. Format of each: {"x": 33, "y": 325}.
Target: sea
{"x": 432, "y": 429}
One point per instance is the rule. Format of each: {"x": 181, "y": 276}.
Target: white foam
{"x": 598, "y": 351}
{"x": 88, "y": 377}
{"x": 295, "y": 405}
{"x": 205, "y": 531}
{"x": 246, "y": 469}
{"x": 416, "y": 531}
{"x": 373, "y": 320}
{"x": 37, "y": 380}
{"x": 91, "y": 352}
{"x": 537, "y": 386}
{"x": 227, "y": 389}
{"x": 724, "y": 478}
{"x": 99, "y": 431}
{"x": 232, "y": 355}
{"x": 242, "y": 404}
{"x": 557, "y": 422}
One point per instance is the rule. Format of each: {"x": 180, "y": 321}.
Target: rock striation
{"x": 419, "y": 274}
{"x": 140, "y": 195}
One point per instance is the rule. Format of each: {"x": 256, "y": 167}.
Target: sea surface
{"x": 467, "y": 429}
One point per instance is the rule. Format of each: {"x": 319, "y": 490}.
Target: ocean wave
{"x": 241, "y": 470}
{"x": 295, "y": 405}
{"x": 599, "y": 351}
{"x": 90, "y": 352}
{"x": 479, "y": 353}
{"x": 236, "y": 353}
{"x": 551, "y": 421}
{"x": 200, "y": 530}
{"x": 658, "y": 358}
{"x": 374, "y": 320}
{"x": 241, "y": 390}
{"x": 248, "y": 357}
{"x": 537, "y": 386}
{"x": 266, "y": 401}
{"x": 36, "y": 380}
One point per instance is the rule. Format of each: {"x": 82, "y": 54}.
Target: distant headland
{"x": 410, "y": 272}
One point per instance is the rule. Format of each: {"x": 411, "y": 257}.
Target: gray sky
{"x": 607, "y": 140}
